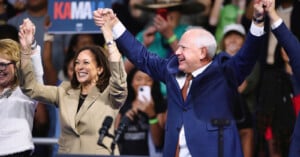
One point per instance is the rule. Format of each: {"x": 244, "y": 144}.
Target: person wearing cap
{"x": 199, "y": 119}
{"x": 291, "y": 45}
{"x": 161, "y": 36}
{"x": 233, "y": 39}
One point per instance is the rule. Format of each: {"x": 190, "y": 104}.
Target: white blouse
{"x": 17, "y": 114}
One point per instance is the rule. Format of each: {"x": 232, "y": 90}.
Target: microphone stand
{"x": 220, "y": 123}
{"x": 112, "y": 147}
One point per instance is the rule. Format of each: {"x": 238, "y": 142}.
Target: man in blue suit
{"x": 292, "y": 47}
{"x": 210, "y": 95}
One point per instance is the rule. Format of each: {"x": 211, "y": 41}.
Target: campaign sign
{"x": 74, "y": 16}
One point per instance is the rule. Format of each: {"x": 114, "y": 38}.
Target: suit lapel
{"x": 88, "y": 102}
{"x": 72, "y": 106}
{"x": 208, "y": 75}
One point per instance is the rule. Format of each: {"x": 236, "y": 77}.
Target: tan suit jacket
{"x": 80, "y": 130}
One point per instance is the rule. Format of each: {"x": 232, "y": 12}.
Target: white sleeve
{"x": 118, "y": 30}
{"x": 37, "y": 64}
{"x": 256, "y": 31}
{"x": 276, "y": 24}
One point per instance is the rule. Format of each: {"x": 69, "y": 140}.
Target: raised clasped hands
{"x": 26, "y": 34}
{"x": 105, "y": 18}
{"x": 261, "y": 7}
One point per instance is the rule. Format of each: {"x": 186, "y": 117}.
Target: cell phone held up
{"x": 162, "y": 12}
{"x": 144, "y": 93}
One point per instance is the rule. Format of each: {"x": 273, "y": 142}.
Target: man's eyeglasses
{"x": 4, "y": 65}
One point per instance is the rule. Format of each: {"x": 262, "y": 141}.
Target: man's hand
{"x": 261, "y": 6}
{"x": 272, "y": 12}
{"x": 260, "y": 9}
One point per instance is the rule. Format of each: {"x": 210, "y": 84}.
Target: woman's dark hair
{"x": 68, "y": 58}
{"x": 70, "y": 51}
{"x": 100, "y": 55}
{"x": 155, "y": 90}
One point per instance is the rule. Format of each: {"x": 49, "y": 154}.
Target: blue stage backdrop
{"x": 74, "y": 16}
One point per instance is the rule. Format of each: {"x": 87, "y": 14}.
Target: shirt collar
{"x": 6, "y": 93}
{"x": 200, "y": 70}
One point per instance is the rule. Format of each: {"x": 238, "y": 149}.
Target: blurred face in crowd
{"x": 173, "y": 16}
{"x": 7, "y": 72}
{"x": 141, "y": 79}
{"x": 86, "y": 68}
{"x": 37, "y": 5}
{"x": 233, "y": 41}
{"x": 83, "y": 40}
{"x": 136, "y": 13}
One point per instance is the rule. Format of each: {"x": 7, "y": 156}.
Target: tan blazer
{"x": 80, "y": 130}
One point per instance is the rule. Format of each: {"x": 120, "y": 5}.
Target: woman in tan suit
{"x": 98, "y": 89}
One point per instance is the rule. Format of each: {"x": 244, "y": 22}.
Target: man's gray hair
{"x": 205, "y": 39}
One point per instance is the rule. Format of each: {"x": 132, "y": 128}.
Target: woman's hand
{"x": 105, "y": 16}
{"x": 131, "y": 113}
{"x": 26, "y": 35}
{"x": 146, "y": 106}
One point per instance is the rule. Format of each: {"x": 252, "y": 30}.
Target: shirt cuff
{"x": 36, "y": 51}
{"x": 256, "y": 30}
{"x": 118, "y": 30}
{"x": 37, "y": 64}
{"x": 276, "y": 24}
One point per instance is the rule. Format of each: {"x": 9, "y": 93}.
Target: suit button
{"x": 178, "y": 129}
{"x": 184, "y": 110}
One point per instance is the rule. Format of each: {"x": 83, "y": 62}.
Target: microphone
{"x": 104, "y": 130}
{"x": 122, "y": 126}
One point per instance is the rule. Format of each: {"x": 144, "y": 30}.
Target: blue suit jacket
{"x": 292, "y": 46}
{"x": 210, "y": 96}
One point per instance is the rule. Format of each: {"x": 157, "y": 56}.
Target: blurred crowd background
{"x": 270, "y": 94}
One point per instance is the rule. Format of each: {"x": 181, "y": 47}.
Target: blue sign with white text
{"x": 74, "y": 16}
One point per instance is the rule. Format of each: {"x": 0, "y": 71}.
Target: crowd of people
{"x": 163, "y": 78}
